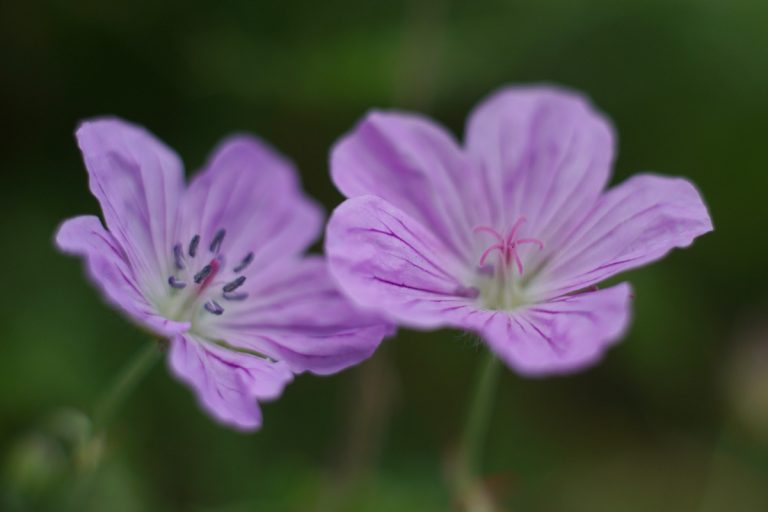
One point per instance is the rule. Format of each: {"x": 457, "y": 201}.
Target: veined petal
{"x": 560, "y": 336}
{"x": 385, "y": 260}
{"x": 253, "y": 193}
{"x": 138, "y": 181}
{"x": 228, "y": 384}
{"x": 296, "y": 314}
{"x": 109, "y": 269}
{"x": 415, "y": 165}
{"x": 546, "y": 154}
{"x": 631, "y": 225}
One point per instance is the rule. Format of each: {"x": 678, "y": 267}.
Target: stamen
{"x": 486, "y": 270}
{"x": 210, "y": 275}
{"x": 175, "y": 283}
{"x": 178, "y": 257}
{"x": 193, "y": 245}
{"x": 469, "y": 292}
{"x": 235, "y": 296}
{"x": 246, "y": 261}
{"x": 213, "y": 307}
{"x": 234, "y": 285}
{"x": 206, "y": 270}
{"x": 217, "y": 239}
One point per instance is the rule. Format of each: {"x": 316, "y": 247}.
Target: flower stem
{"x": 475, "y": 431}
{"x": 88, "y": 454}
{"x": 127, "y": 380}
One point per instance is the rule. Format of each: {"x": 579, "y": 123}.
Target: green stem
{"x": 478, "y": 419}
{"x": 127, "y": 380}
{"x": 88, "y": 456}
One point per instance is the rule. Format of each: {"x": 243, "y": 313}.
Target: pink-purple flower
{"x": 507, "y": 236}
{"x": 217, "y": 267}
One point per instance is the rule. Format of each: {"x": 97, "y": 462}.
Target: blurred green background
{"x": 674, "y": 419}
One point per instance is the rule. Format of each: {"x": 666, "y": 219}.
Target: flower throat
{"x": 185, "y": 303}
{"x": 498, "y": 286}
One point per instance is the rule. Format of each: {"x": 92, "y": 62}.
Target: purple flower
{"x": 217, "y": 268}
{"x": 507, "y": 236}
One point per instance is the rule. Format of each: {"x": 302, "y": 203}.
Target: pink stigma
{"x": 507, "y": 246}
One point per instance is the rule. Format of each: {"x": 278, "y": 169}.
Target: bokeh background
{"x": 674, "y": 419}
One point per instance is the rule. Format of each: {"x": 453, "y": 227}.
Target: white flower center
{"x": 499, "y": 278}
{"x": 198, "y": 287}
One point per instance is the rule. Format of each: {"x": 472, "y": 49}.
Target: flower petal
{"x": 228, "y": 384}
{"x": 385, "y": 260}
{"x": 109, "y": 269}
{"x": 631, "y": 225}
{"x": 253, "y": 193}
{"x": 138, "y": 181}
{"x": 546, "y": 154}
{"x": 296, "y": 314}
{"x": 560, "y": 336}
{"x": 414, "y": 164}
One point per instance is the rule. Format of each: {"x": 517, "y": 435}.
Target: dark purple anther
{"x": 217, "y": 239}
{"x": 178, "y": 256}
{"x": 246, "y": 261}
{"x": 203, "y": 274}
{"x": 234, "y": 285}
{"x": 469, "y": 292}
{"x": 213, "y": 307}
{"x": 193, "y": 245}
{"x": 486, "y": 270}
{"x": 235, "y": 296}
{"x": 175, "y": 283}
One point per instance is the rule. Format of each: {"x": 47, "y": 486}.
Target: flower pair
{"x": 506, "y": 237}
